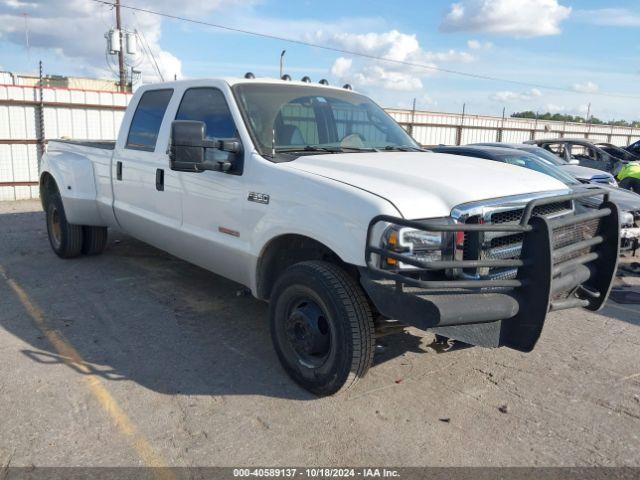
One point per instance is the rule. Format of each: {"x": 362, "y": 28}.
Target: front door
{"x": 215, "y": 234}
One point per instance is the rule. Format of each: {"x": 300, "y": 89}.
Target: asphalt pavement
{"x": 135, "y": 358}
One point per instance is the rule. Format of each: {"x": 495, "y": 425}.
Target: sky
{"x": 587, "y": 48}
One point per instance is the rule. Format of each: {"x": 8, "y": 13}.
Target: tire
{"x": 64, "y": 237}
{"x": 94, "y": 239}
{"x": 321, "y": 326}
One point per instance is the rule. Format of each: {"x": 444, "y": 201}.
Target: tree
{"x": 558, "y": 117}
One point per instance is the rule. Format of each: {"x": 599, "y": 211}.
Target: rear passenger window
{"x": 208, "y": 105}
{"x": 147, "y": 119}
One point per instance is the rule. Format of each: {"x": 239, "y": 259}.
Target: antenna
{"x": 282, "y": 62}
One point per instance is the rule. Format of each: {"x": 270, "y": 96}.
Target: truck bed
{"x": 103, "y": 144}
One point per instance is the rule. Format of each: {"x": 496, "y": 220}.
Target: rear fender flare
{"x": 74, "y": 177}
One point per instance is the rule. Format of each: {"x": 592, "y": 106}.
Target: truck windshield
{"x": 296, "y": 119}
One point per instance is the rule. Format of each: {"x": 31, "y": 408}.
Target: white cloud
{"x": 474, "y": 44}
{"x": 375, "y": 75}
{"x": 519, "y": 18}
{"x": 587, "y": 87}
{"x": 554, "y": 108}
{"x": 609, "y": 17}
{"x": 74, "y": 30}
{"x": 425, "y": 101}
{"x": 18, "y": 4}
{"x": 478, "y": 45}
{"x": 341, "y": 66}
{"x": 506, "y": 96}
{"x": 394, "y": 45}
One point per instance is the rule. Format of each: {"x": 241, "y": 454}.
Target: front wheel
{"x": 321, "y": 326}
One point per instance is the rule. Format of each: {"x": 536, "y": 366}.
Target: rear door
{"x": 147, "y": 198}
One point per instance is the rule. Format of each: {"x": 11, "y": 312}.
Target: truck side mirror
{"x": 191, "y": 151}
{"x": 187, "y": 145}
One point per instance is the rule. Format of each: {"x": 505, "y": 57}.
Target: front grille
{"x": 509, "y": 245}
{"x": 568, "y": 235}
{"x": 539, "y": 211}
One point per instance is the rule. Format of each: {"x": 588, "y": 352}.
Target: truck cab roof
{"x": 232, "y": 81}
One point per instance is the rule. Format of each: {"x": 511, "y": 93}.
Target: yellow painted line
{"x": 71, "y": 357}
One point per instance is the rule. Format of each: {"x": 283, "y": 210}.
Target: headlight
{"x": 613, "y": 182}
{"x": 419, "y": 245}
{"x": 626, "y": 218}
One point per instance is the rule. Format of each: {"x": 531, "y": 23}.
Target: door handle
{"x": 160, "y": 179}
{"x": 119, "y": 171}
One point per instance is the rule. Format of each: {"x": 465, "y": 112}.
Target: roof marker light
{"x": 286, "y": 77}
{"x": 249, "y": 75}
{"x": 347, "y": 86}
{"x": 324, "y": 81}
{"x": 306, "y": 79}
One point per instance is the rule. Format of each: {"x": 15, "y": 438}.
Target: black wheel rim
{"x": 307, "y": 329}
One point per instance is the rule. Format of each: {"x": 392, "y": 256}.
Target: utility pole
{"x": 123, "y": 75}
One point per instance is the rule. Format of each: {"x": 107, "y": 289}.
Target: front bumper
{"x": 552, "y": 274}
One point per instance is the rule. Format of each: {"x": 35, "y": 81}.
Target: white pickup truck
{"x": 318, "y": 202}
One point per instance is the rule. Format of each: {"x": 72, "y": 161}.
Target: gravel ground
{"x": 134, "y": 357}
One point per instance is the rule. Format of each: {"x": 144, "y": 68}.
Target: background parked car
{"x": 583, "y": 174}
{"x": 634, "y": 148}
{"x": 584, "y": 151}
{"x": 618, "y": 152}
{"x": 628, "y": 202}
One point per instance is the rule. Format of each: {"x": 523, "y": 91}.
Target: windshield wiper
{"x": 316, "y": 148}
{"x": 309, "y": 148}
{"x": 360, "y": 149}
{"x": 403, "y": 148}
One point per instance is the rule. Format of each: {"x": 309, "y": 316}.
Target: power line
{"x": 149, "y": 53}
{"x": 365, "y": 55}
{"x": 140, "y": 35}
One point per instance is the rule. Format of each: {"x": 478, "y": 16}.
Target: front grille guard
{"x": 578, "y": 274}
{"x": 524, "y": 227}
